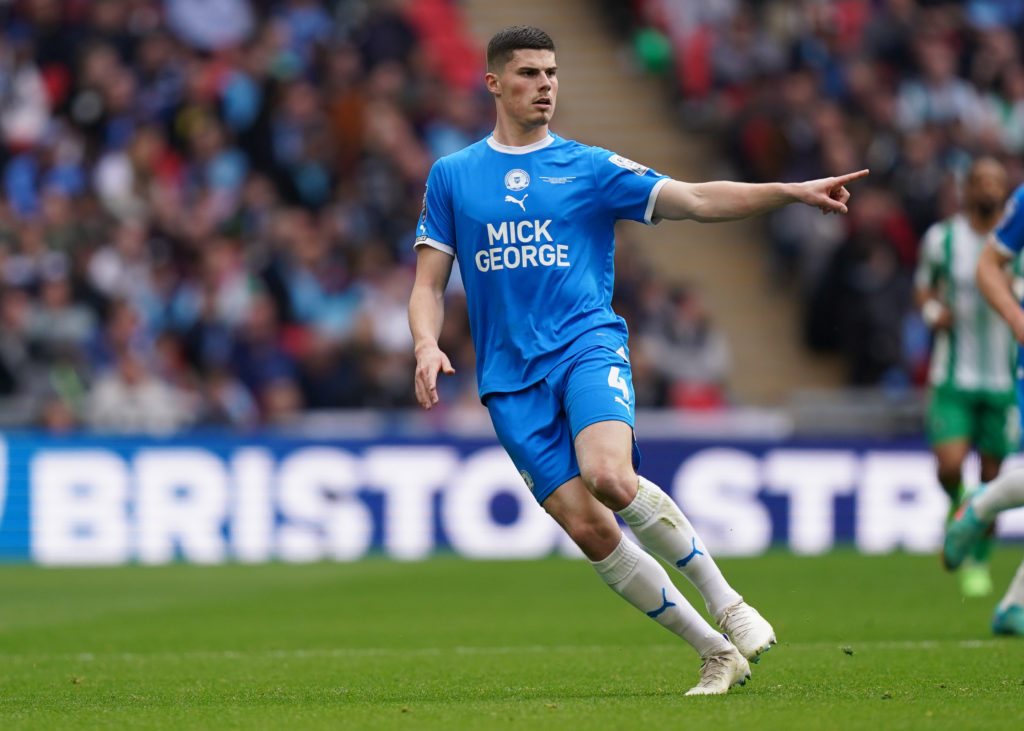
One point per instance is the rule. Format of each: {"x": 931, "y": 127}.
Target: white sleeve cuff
{"x": 434, "y": 244}
{"x": 651, "y": 200}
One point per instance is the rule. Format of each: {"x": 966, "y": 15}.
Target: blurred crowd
{"x": 794, "y": 90}
{"x": 207, "y": 210}
{"x": 207, "y": 206}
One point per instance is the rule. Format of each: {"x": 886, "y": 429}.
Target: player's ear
{"x": 493, "y": 83}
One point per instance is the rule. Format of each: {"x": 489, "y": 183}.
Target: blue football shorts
{"x": 538, "y": 424}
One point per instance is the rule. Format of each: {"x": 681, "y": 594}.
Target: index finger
{"x": 844, "y": 179}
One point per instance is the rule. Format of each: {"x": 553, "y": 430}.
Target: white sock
{"x": 1015, "y": 592}
{"x": 639, "y": 579}
{"x": 661, "y": 527}
{"x": 1002, "y": 493}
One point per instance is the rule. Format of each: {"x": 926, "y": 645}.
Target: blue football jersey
{"x": 533, "y": 231}
{"x": 1009, "y": 234}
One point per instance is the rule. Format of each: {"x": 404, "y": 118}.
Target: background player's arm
{"x": 997, "y": 288}
{"x": 426, "y": 316}
{"x": 936, "y": 315}
{"x": 725, "y": 200}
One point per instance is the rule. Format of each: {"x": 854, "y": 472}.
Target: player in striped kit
{"x": 972, "y": 402}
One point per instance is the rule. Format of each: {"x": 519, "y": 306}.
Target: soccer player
{"x": 976, "y": 514}
{"x": 972, "y": 402}
{"x": 530, "y": 218}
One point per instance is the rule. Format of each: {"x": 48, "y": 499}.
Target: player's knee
{"x": 594, "y": 537}
{"x": 612, "y": 485}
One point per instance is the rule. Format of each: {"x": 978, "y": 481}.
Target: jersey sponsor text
{"x": 527, "y": 255}
{"x": 518, "y": 232}
{"x": 511, "y": 245}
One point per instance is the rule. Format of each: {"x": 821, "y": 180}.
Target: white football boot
{"x": 721, "y": 671}
{"x": 747, "y": 629}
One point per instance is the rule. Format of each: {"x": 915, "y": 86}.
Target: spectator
{"x": 123, "y": 268}
{"x": 936, "y": 95}
{"x": 124, "y": 176}
{"x": 689, "y": 353}
{"x": 24, "y": 104}
{"x": 226, "y": 402}
{"x": 210, "y": 25}
{"x": 17, "y": 364}
{"x": 862, "y": 295}
{"x": 58, "y": 322}
{"x": 259, "y": 356}
{"x": 130, "y": 397}
{"x": 1006, "y": 106}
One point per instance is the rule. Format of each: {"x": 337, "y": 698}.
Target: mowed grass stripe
{"x": 867, "y": 642}
{"x": 344, "y": 652}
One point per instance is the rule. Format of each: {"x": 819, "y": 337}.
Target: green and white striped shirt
{"x": 978, "y": 352}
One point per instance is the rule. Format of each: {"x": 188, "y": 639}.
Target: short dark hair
{"x": 507, "y": 41}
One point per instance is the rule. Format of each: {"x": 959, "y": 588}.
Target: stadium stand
{"x": 207, "y": 207}
{"x": 912, "y": 89}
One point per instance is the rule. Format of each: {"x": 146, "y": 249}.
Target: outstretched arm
{"x": 725, "y": 200}
{"x": 995, "y": 286}
{"x": 426, "y": 316}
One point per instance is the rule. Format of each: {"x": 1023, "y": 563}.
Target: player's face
{"x": 986, "y": 187}
{"x": 526, "y": 87}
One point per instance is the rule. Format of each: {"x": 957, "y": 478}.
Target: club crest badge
{"x": 517, "y": 179}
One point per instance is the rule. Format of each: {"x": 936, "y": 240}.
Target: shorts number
{"x": 618, "y": 382}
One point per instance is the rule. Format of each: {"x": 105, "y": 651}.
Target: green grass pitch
{"x": 865, "y": 642}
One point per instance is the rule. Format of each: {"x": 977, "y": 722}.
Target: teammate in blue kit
{"x": 977, "y": 513}
{"x": 530, "y": 218}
